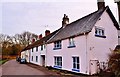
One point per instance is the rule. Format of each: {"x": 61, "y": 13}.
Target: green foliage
{"x": 2, "y": 61}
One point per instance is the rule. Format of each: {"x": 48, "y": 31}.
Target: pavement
{"x": 13, "y": 67}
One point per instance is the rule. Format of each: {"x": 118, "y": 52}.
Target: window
{"x": 32, "y": 58}
{"x": 71, "y": 43}
{"x": 42, "y": 47}
{"x": 32, "y": 49}
{"x": 58, "y": 62}
{"x": 37, "y": 48}
{"x": 57, "y": 45}
{"x": 100, "y": 32}
{"x": 36, "y": 58}
{"x": 76, "y": 65}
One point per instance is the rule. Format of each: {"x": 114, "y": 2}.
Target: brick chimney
{"x": 40, "y": 36}
{"x": 101, "y": 4}
{"x": 47, "y": 32}
{"x": 33, "y": 40}
{"x": 65, "y": 20}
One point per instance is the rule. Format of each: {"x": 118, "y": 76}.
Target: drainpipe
{"x": 86, "y": 54}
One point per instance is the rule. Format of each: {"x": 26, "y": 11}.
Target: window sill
{"x": 71, "y": 46}
{"x": 100, "y": 36}
{"x": 58, "y": 67}
{"x": 56, "y": 48}
{"x": 76, "y": 70}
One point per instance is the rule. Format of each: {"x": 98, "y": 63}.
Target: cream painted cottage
{"x": 82, "y": 46}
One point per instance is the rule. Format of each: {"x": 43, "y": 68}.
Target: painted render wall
{"x": 25, "y": 54}
{"x": 68, "y": 53}
{"x": 100, "y": 48}
{"x": 37, "y": 53}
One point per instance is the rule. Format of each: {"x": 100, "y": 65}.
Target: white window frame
{"x": 58, "y": 61}
{"x": 36, "y": 48}
{"x": 99, "y": 31}
{"x": 36, "y": 58}
{"x": 57, "y": 44}
{"x": 42, "y": 47}
{"x": 76, "y": 63}
{"x": 71, "y": 42}
{"x": 32, "y": 58}
{"x": 32, "y": 49}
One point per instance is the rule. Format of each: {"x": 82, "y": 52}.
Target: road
{"x": 14, "y": 68}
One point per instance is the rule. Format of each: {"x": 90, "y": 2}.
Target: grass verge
{"x": 3, "y": 61}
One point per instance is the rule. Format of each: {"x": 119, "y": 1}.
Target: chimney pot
{"x": 47, "y": 32}
{"x": 65, "y": 20}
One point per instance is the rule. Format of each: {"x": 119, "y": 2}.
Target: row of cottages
{"x": 82, "y": 46}
{"x": 36, "y": 52}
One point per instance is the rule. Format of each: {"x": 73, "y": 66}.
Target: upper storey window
{"x": 100, "y": 32}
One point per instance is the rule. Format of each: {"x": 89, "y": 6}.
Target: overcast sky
{"x": 38, "y": 15}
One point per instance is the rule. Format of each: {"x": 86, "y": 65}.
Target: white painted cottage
{"x": 82, "y": 46}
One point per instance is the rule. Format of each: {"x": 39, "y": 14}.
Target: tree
{"x": 114, "y": 62}
{"x": 25, "y": 38}
{"x": 5, "y": 40}
{"x": 12, "y": 45}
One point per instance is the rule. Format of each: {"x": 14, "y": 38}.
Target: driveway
{"x": 14, "y": 68}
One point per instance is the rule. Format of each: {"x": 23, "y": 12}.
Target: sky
{"x": 17, "y": 16}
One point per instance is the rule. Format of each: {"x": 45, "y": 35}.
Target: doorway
{"x": 43, "y": 60}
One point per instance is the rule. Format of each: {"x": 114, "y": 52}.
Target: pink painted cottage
{"x": 82, "y": 46}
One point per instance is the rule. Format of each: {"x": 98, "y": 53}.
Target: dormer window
{"x": 71, "y": 43}
{"x": 100, "y": 32}
{"x": 57, "y": 45}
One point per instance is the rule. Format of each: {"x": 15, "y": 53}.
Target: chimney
{"x": 47, "y": 32}
{"x": 101, "y": 4}
{"x": 40, "y": 36}
{"x": 65, "y": 20}
{"x": 33, "y": 40}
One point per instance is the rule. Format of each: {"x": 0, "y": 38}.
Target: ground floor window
{"x": 58, "y": 61}
{"x": 32, "y": 58}
{"x": 36, "y": 58}
{"x": 76, "y": 64}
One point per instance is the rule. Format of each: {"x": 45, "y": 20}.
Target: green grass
{"x": 2, "y": 61}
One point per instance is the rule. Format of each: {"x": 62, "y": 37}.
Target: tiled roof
{"x": 83, "y": 25}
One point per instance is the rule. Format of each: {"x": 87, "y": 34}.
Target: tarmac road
{"x": 13, "y": 67}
